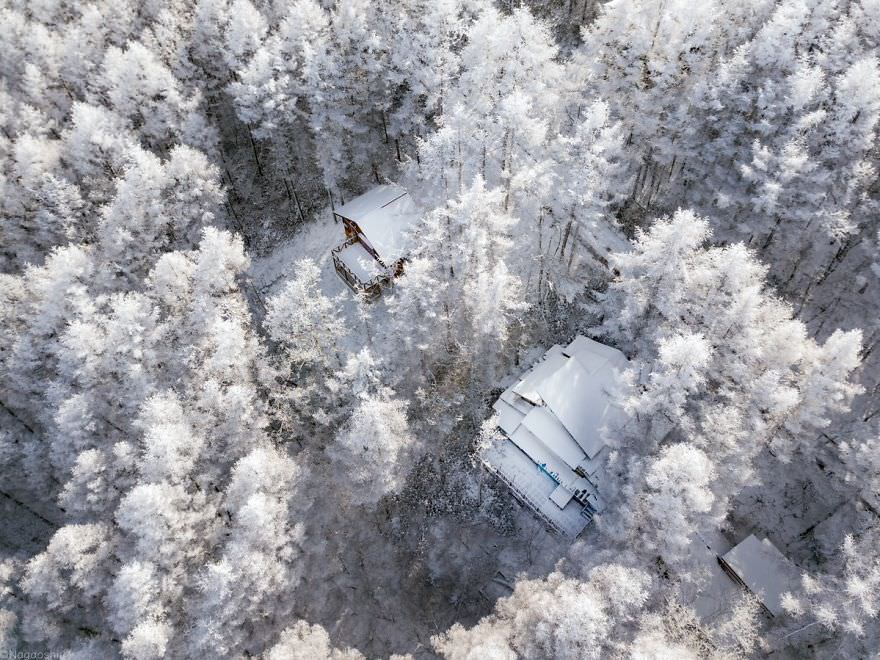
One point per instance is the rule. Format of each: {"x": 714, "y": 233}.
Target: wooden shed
{"x": 377, "y": 226}
{"x": 758, "y": 566}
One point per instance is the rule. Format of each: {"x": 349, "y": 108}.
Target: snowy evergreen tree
{"x": 303, "y": 641}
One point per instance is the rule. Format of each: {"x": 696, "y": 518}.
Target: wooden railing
{"x": 371, "y": 288}
{"x": 519, "y": 494}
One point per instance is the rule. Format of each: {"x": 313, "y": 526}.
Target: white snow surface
{"x": 360, "y": 262}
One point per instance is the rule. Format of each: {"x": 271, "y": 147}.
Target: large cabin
{"x": 549, "y": 446}
{"x": 377, "y": 226}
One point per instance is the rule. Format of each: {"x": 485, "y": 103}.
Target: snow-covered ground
{"x": 313, "y": 240}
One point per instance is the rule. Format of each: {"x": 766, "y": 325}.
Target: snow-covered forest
{"x": 211, "y": 447}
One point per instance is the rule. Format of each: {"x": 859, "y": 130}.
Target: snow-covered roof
{"x": 555, "y": 418}
{"x": 527, "y": 387}
{"x": 385, "y": 215}
{"x": 764, "y": 570}
{"x": 372, "y": 199}
{"x": 582, "y": 402}
{"x": 544, "y": 424}
{"x": 582, "y": 348}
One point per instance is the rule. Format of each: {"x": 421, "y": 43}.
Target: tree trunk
{"x": 254, "y": 149}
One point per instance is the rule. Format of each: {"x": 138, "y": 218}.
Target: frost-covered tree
{"x": 190, "y": 327}
{"x": 588, "y": 182}
{"x": 643, "y": 58}
{"x": 346, "y": 74}
{"x": 305, "y": 321}
{"x": 245, "y": 32}
{"x": 247, "y": 589}
{"x": 272, "y": 88}
{"x": 38, "y": 207}
{"x": 323, "y": 71}
{"x": 170, "y": 453}
{"x": 374, "y": 449}
{"x": 678, "y": 486}
{"x": 162, "y": 480}
{"x": 309, "y": 330}
{"x": 557, "y": 617}
{"x": 491, "y": 122}
{"x": 95, "y": 147}
{"x": 37, "y": 308}
{"x": 425, "y": 40}
{"x": 555, "y": 156}
{"x": 718, "y": 361}
{"x": 158, "y": 207}
{"x": 792, "y": 125}
{"x": 844, "y": 600}
{"x": 303, "y": 641}
{"x": 464, "y": 284}
{"x": 67, "y": 578}
{"x": 142, "y": 90}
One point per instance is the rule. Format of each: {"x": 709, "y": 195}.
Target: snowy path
{"x": 313, "y": 240}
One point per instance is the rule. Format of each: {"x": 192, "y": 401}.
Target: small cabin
{"x": 548, "y": 447}
{"x": 377, "y": 226}
{"x": 758, "y": 566}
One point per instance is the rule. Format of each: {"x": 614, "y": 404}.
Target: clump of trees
{"x": 693, "y": 184}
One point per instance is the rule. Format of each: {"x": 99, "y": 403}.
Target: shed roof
{"x": 764, "y": 570}
{"x": 385, "y": 215}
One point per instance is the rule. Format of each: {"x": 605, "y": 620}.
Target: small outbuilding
{"x": 377, "y": 227}
{"x": 762, "y": 569}
{"x": 549, "y": 444}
